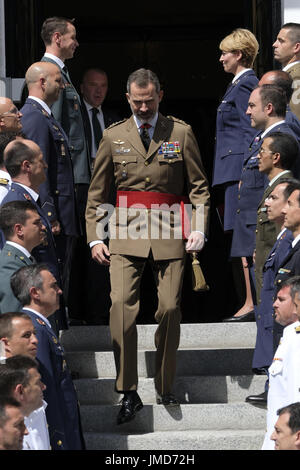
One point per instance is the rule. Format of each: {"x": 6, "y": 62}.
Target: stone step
{"x": 204, "y": 335}
{"x": 88, "y": 364}
{"x": 175, "y": 440}
{"x": 194, "y": 389}
{"x": 204, "y": 417}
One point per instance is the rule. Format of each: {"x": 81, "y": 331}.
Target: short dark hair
{"x": 292, "y": 282}
{"x": 287, "y": 146}
{"x": 15, "y": 371}
{"x": 6, "y": 322}
{"x": 292, "y": 186}
{"x": 294, "y": 31}
{"x": 25, "y": 278}
{"x": 276, "y": 96}
{"x": 142, "y": 78}
{"x": 294, "y": 411}
{"x": 53, "y": 25}
{"x": 6, "y": 401}
{"x": 12, "y": 213}
{"x": 15, "y": 156}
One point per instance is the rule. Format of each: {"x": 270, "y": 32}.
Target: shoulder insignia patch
{"x": 172, "y": 118}
{"x": 116, "y": 124}
{"x": 297, "y": 329}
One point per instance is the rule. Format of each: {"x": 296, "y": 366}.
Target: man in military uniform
{"x": 276, "y": 158}
{"x": 284, "y": 376}
{"x": 57, "y": 193}
{"x": 155, "y": 161}
{"x": 24, "y": 161}
{"x": 38, "y": 292}
{"x": 267, "y": 110}
{"x": 287, "y": 52}
{"x": 23, "y": 230}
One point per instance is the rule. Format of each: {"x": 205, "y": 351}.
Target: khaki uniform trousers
{"x": 126, "y": 273}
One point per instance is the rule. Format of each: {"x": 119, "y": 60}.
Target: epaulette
{"x": 297, "y": 329}
{"x": 172, "y": 118}
{"x": 116, "y": 124}
{"x": 4, "y": 181}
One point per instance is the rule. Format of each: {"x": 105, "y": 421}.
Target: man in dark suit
{"x": 94, "y": 87}
{"x": 57, "y": 193}
{"x": 38, "y": 292}
{"x": 23, "y": 230}
{"x": 85, "y": 298}
{"x": 24, "y": 162}
{"x": 267, "y": 111}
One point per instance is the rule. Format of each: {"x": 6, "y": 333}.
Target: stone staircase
{"x": 213, "y": 379}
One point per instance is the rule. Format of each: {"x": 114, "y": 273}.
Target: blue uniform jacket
{"x": 57, "y": 194}
{"x": 62, "y": 411}
{"x": 253, "y": 184}
{"x": 45, "y": 253}
{"x": 67, "y": 110}
{"x": 263, "y": 353}
{"x": 233, "y": 129}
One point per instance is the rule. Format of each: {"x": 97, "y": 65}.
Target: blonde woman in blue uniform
{"x": 233, "y": 128}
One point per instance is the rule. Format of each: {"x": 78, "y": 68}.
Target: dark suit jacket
{"x": 11, "y": 259}
{"x": 43, "y": 253}
{"x": 109, "y": 118}
{"x": 289, "y": 267}
{"x": 68, "y": 111}
{"x": 60, "y": 395}
{"x": 264, "y": 353}
{"x": 57, "y": 193}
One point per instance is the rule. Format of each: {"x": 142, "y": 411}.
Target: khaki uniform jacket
{"x": 122, "y": 156}
{"x": 294, "y": 72}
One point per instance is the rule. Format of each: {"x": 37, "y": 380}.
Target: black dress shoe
{"x": 131, "y": 403}
{"x": 249, "y": 316}
{"x": 260, "y": 399}
{"x": 168, "y": 400}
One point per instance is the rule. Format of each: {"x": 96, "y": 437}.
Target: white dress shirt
{"x": 37, "y": 426}
{"x": 100, "y": 118}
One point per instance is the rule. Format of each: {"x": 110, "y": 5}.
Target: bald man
{"x": 57, "y": 193}
{"x": 10, "y": 116}
{"x": 10, "y": 125}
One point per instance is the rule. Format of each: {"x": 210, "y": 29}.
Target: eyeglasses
{"x": 14, "y": 111}
{"x": 261, "y": 151}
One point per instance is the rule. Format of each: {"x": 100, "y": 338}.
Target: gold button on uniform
{"x": 147, "y": 179}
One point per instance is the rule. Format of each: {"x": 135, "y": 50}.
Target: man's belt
{"x": 146, "y": 200}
